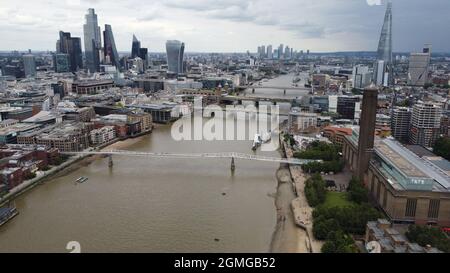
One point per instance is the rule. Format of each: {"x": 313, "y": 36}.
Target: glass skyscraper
{"x": 61, "y": 62}
{"x": 175, "y": 53}
{"x": 135, "y": 46}
{"x": 111, "y": 55}
{"x": 71, "y": 46}
{"x": 92, "y": 41}
{"x": 138, "y": 51}
{"x": 29, "y": 65}
{"x": 384, "y": 53}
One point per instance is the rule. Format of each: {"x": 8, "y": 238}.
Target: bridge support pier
{"x": 110, "y": 161}
{"x": 257, "y": 104}
{"x": 233, "y": 165}
{"x": 284, "y": 91}
{"x": 253, "y": 91}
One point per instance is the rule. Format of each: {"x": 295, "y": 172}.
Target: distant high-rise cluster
{"x": 139, "y": 52}
{"x": 69, "y": 55}
{"x": 281, "y": 52}
{"x": 70, "y": 48}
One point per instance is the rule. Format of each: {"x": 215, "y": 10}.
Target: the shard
{"x": 384, "y": 66}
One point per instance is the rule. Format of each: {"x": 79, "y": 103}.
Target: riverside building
{"x": 407, "y": 188}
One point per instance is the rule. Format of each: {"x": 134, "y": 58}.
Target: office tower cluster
{"x": 69, "y": 55}
{"x": 139, "y": 52}
{"x": 281, "y": 52}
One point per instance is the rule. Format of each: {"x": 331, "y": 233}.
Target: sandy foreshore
{"x": 287, "y": 237}
{"x": 293, "y": 232}
{"x": 300, "y": 205}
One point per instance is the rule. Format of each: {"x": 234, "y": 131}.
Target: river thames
{"x": 153, "y": 205}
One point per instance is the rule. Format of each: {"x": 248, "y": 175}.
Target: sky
{"x": 230, "y": 25}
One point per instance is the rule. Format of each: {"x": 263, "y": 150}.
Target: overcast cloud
{"x": 230, "y": 25}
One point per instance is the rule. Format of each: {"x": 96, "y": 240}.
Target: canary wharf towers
{"x": 383, "y": 69}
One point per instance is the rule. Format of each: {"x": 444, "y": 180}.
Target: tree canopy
{"x": 433, "y": 236}
{"x": 442, "y": 147}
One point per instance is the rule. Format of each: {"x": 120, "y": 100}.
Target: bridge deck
{"x": 255, "y": 98}
{"x": 275, "y": 87}
{"x": 229, "y": 155}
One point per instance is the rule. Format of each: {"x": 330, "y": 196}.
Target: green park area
{"x": 338, "y": 216}
{"x": 336, "y": 199}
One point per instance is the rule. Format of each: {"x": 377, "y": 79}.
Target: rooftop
{"x": 413, "y": 166}
{"x": 406, "y": 170}
{"x": 18, "y": 127}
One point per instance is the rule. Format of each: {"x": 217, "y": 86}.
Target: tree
{"x": 424, "y": 235}
{"x": 30, "y": 176}
{"x": 442, "y": 147}
{"x": 315, "y": 190}
{"x": 319, "y": 150}
{"x": 328, "y": 153}
{"x": 45, "y": 168}
{"x": 351, "y": 219}
{"x": 322, "y": 227}
{"x": 339, "y": 242}
{"x": 357, "y": 192}
{"x": 289, "y": 139}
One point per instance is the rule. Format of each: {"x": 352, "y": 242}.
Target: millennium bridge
{"x": 229, "y": 155}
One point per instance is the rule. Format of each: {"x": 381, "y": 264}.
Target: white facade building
{"x": 103, "y": 135}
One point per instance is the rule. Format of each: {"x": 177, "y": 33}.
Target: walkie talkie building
{"x": 175, "y": 52}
